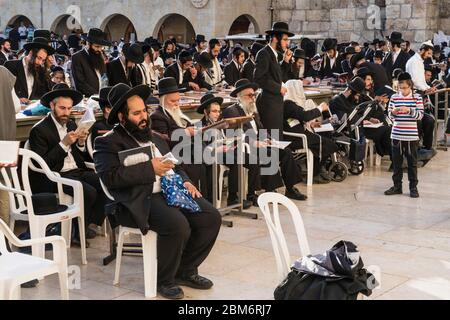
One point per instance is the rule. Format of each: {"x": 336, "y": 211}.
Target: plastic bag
{"x": 177, "y": 195}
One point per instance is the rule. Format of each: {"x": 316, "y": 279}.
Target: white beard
{"x": 178, "y": 116}
{"x": 249, "y": 108}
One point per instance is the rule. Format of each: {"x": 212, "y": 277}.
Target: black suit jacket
{"x": 232, "y": 73}
{"x": 325, "y": 69}
{"x": 294, "y": 111}
{"x": 172, "y": 71}
{"x": 248, "y": 70}
{"x": 199, "y": 80}
{"x": 340, "y": 106}
{"x": 21, "y": 88}
{"x": 100, "y": 125}
{"x": 165, "y": 125}
{"x": 401, "y": 61}
{"x": 131, "y": 187}
{"x": 3, "y": 58}
{"x": 84, "y": 76}
{"x": 116, "y": 73}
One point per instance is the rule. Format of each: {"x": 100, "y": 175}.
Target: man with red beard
{"x": 32, "y": 79}
{"x": 88, "y": 64}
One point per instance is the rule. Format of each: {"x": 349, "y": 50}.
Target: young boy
{"x": 405, "y": 109}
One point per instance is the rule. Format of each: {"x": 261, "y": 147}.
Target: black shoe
{"x": 196, "y": 282}
{"x": 76, "y": 243}
{"x": 320, "y": 180}
{"x": 254, "y": 200}
{"x": 414, "y": 193}
{"x": 246, "y": 203}
{"x": 30, "y": 284}
{"x": 294, "y": 194}
{"x": 393, "y": 191}
{"x": 90, "y": 233}
{"x": 171, "y": 292}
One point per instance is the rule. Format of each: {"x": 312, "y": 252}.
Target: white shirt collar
{"x": 237, "y": 65}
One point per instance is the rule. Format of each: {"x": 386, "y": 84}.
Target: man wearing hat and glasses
{"x": 120, "y": 70}
{"x": 184, "y": 239}
{"x": 57, "y": 140}
{"x": 397, "y": 58}
{"x": 270, "y": 73}
{"x": 88, "y": 65}
{"x": 30, "y": 71}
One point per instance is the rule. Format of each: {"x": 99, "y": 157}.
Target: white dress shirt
{"x": 416, "y": 68}
{"x": 181, "y": 72}
{"x": 29, "y": 78}
{"x": 69, "y": 161}
{"x": 395, "y": 55}
{"x": 6, "y": 55}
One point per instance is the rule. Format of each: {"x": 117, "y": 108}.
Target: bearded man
{"x": 88, "y": 65}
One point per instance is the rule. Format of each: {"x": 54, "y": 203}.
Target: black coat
{"x": 380, "y": 77}
{"x": 173, "y": 72}
{"x": 131, "y": 187}
{"x": 14, "y": 36}
{"x": 116, "y": 73}
{"x": 401, "y": 61}
{"x": 100, "y": 125}
{"x": 232, "y": 73}
{"x": 325, "y": 69}
{"x": 3, "y": 58}
{"x": 21, "y": 88}
{"x": 74, "y": 41}
{"x": 84, "y": 76}
{"x": 199, "y": 80}
{"x": 341, "y": 106}
{"x": 44, "y": 140}
{"x": 248, "y": 70}
{"x": 269, "y": 75}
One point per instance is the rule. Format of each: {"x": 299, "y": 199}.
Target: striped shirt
{"x": 405, "y": 125}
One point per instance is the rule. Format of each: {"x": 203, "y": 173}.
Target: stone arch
{"x": 174, "y": 25}
{"x": 117, "y": 26}
{"x": 65, "y": 24}
{"x": 16, "y": 20}
{"x": 244, "y": 24}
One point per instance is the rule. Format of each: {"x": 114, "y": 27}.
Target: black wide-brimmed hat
{"x": 280, "y": 28}
{"x": 385, "y": 91}
{"x": 242, "y": 85}
{"x": 61, "y": 90}
{"x": 167, "y": 86}
{"x": 396, "y": 37}
{"x": 362, "y": 72}
{"x": 329, "y": 44}
{"x": 300, "y": 54}
{"x": 39, "y": 43}
{"x": 119, "y": 95}
{"x": 42, "y": 33}
{"x": 134, "y": 53}
{"x": 204, "y": 60}
{"x": 96, "y": 36}
{"x": 356, "y": 57}
{"x": 200, "y": 38}
{"x": 103, "y": 97}
{"x": 357, "y": 84}
{"x": 207, "y": 100}
{"x": 255, "y": 48}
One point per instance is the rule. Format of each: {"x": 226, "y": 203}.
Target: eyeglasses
{"x": 250, "y": 95}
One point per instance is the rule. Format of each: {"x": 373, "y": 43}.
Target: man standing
{"x": 269, "y": 75}
{"x": 397, "y": 58}
{"x": 120, "y": 70}
{"x": 184, "y": 239}
{"x": 32, "y": 77}
{"x": 88, "y": 65}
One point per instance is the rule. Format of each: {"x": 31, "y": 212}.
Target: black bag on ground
{"x": 358, "y": 149}
{"x": 338, "y": 274}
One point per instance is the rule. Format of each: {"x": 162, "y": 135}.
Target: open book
{"x": 373, "y": 125}
{"x": 324, "y": 128}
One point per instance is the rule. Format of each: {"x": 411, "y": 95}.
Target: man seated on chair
{"x": 102, "y": 126}
{"x": 184, "y": 239}
{"x": 57, "y": 141}
{"x": 298, "y": 119}
{"x": 246, "y": 94}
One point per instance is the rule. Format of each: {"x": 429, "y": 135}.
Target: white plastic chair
{"x": 17, "y": 268}
{"x": 280, "y": 248}
{"x": 309, "y": 155}
{"x": 21, "y": 206}
{"x": 149, "y": 253}
{"x": 374, "y": 158}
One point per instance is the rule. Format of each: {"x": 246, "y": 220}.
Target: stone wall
{"x": 364, "y": 20}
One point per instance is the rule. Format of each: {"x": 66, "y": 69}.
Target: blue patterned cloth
{"x": 177, "y": 195}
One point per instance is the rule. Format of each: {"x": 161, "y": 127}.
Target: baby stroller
{"x": 352, "y": 145}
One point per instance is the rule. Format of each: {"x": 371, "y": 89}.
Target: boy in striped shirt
{"x": 405, "y": 109}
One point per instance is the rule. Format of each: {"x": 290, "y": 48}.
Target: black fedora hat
{"x": 255, "y": 48}
{"x": 167, "y": 86}
{"x": 280, "y": 28}
{"x": 103, "y": 97}
{"x": 96, "y": 36}
{"x": 242, "y": 85}
{"x": 39, "y": 43}
{"x": 134, "y": 53}
{"x": 385, "y": 91}
{"x": 63, "y": 51}
{"x": 200, "y": 38}
{"x": 119, "y": 95}
{"x": 207, "y": 100}
{"x": 61, "y": 90}
{"x": 362, "y": 72}
{"x": 300, "y": 54}
{"x": 396, "y": 37}
{"x": 356, "y": 57}
{"x": 42, "y": 33}
{"x": 329, "y": 44}
{"x": 204, "y": 60}
{"x": 357, "y": 84}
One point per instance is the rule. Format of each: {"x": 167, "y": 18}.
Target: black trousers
{"x": 94, "y": 197}
{"x": 184, "y": 239}
{"x": 290, "y": 171}
{"x": 382, "y": 139}
{"x": 426, "y": 130}
{"x": 409, "y": 150}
